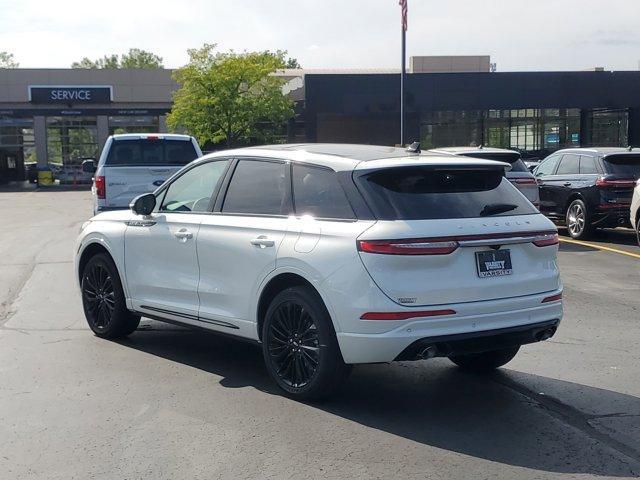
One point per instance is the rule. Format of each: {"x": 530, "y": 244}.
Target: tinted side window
{"x": 569, "y": 164}
{"x": 192, "y": 191}
{"x": 257, "y": 187}
{"x": 588, "y": 165}
{"x": 316, "y": 192}
{"x": 547, "y": 166}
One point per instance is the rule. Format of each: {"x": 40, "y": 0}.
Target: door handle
{"x": 262, "y": 242}
{"x": 183, "y": 234}
{"x": 566, "y": 184}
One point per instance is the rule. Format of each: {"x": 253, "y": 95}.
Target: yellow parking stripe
{"x": 600, "y": 247}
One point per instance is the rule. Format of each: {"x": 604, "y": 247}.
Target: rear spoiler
{"x": 458, "y": 163}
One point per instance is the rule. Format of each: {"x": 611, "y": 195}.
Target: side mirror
{"x": 89, "y": 166}
{"x": 143, "y": 204}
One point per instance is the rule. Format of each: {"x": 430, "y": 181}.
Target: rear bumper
{"x": 618, "y": 217}
{"x": 478, "y": 320}
{"x": 476, "y": 342}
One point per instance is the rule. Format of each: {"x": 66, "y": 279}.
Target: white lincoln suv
{"x": 329, "y": 256}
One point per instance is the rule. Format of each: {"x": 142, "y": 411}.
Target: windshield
{"x": 154, "y": 152}
{"x": 627, "y": 165}
{"x": 425, "y": 192}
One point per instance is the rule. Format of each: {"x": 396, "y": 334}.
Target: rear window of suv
{"x": 151, "y": 152}
{"x": 426, "y": 192}
{"x": 628, "y": 165}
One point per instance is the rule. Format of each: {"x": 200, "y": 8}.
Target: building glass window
{"x": 451, "y": 128}
{"x": 16, "y": 135}
{"x": 609, "y": 128}
{"x": 133, "y": 124}
{"x": 534, "y": 131}
{"x": 71, "y": 139}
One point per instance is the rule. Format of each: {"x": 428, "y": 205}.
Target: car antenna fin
{"x": 414, "y": 148}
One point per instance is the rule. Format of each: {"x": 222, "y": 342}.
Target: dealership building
{"x": 60, "y": 116}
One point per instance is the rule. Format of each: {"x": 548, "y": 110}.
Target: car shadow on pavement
{"x": 432, "y": 403}
{"x": 575, "y": 248}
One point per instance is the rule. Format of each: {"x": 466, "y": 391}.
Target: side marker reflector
{"x": 405, "y": 315}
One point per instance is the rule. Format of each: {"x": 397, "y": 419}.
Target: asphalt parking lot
{"x": 173, "y": 403}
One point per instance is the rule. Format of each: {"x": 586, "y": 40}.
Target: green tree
{"x": 7, "y": 60}
{"x": 230, "y": 97}
{"x": 289, "y": 62}
{"x": 292, "y": 63}
{"x": 136, "y": 58}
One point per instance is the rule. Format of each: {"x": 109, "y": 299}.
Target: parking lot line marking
{"x": 600, "y": 247}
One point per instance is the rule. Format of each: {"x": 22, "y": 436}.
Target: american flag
{"x": 403, "y": 5}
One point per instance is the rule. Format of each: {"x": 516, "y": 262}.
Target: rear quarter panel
{"x": 325, "y": 254}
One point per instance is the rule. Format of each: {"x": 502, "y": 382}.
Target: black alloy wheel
{"x": 99, "y": 295}
{"x": 300, "y": 347}
{"x": 293, "y": 344}
{"x": 103, "y": 299}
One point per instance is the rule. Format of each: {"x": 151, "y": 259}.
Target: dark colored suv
{"x": 587, "y": 188}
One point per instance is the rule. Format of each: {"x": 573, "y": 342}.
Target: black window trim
{"x": 161, "y": 192}
{"x": 222, "y": 194}
{"x": 323, "y": 219}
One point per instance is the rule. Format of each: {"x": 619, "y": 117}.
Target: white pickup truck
{"x": 132, "y": 164}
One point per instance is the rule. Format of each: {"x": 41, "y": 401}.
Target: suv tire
{"x": 103, "y": 299}
{"x": 300, "y": 347}
{"x": 578, "y": 220}
{"x": 485, "y": 361}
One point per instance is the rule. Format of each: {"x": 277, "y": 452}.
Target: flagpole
{"x": 402, "y": 78}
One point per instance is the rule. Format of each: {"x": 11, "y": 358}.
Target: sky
{"x": 519, "y": 35}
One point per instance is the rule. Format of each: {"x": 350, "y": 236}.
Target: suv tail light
{"x": 101, "y": 187}
{"x": 603, "y": 182}
{"x": 407, "y": 247}
{"x": 525, "y": 181}
{"x": 546, "y": 240}
{"x": 446, "y": 245}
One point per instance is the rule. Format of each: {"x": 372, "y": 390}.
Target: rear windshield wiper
{"x": 495, "y": 208}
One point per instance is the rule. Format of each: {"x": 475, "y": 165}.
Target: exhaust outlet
{"x": 427, "y": 352}
{"x": 545, "y": 334}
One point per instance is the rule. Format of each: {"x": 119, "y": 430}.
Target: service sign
{"x": 70, "y": 94}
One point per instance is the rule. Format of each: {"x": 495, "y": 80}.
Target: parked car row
{"x": 580, "y": 188}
